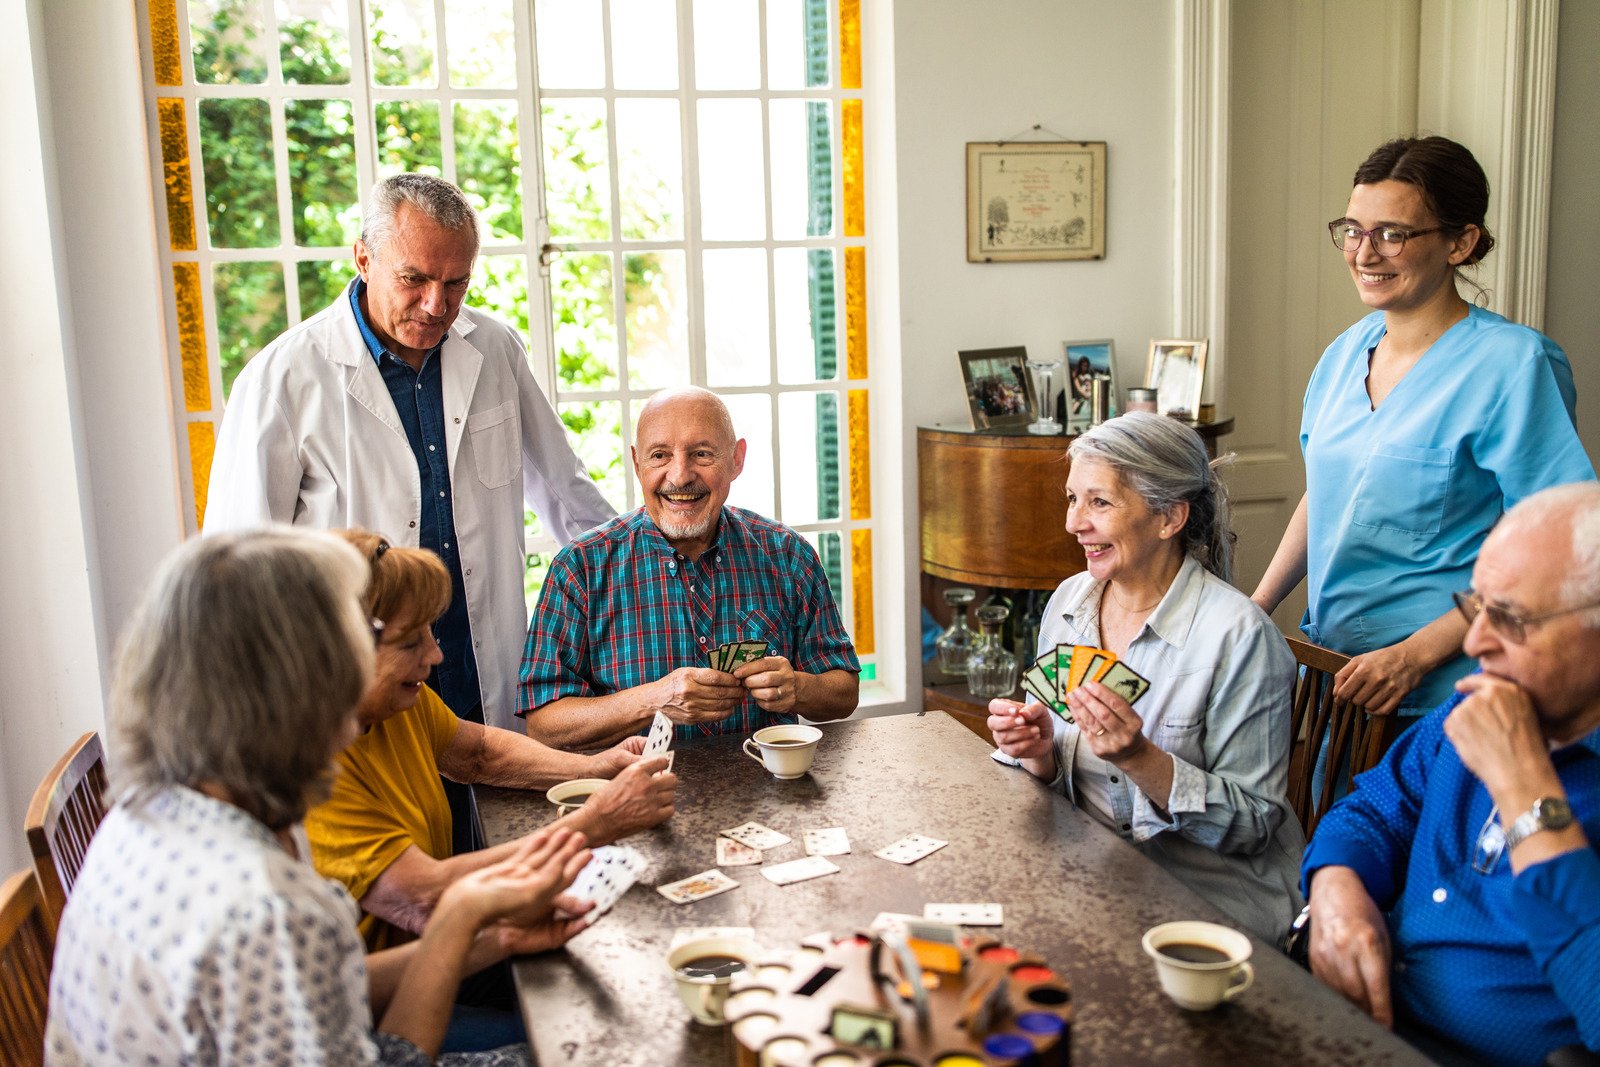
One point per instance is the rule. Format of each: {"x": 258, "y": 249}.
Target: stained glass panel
{"x": 175, "y": 172}
{"x": 192, "y": 336}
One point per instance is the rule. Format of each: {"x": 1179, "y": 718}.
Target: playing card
{"x": 731, "y": 853}
{"x": 1125, "y": 682}
{"x": 829, "y": 842}
{"x": 1081, "y": 656}
{"x": 1097, "y": 663}
{"x": 1038, "y": 685}
{"x": 660, "y": 737}
{"x": 799, "y": 870}
{"x": 745, "y": 652}
{"x": 890, "y": 922}
{"x": 610, "y": 872}
{"x": 910, "y": 848}
{"x": 1063, "y": 671}
{"x": 965, "y": 914}
{"x": 756, "y": 836}
{"x": 697, "y": 887}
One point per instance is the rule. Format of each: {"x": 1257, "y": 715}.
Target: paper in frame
{"x": 1033, "y": 200}
{"x": 1176, "y": 370}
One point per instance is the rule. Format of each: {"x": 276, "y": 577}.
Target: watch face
{"x": 1553, "y": 813}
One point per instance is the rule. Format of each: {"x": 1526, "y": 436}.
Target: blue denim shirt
{"x": 419, "y": 401}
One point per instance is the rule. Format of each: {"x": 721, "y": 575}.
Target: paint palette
{"x": 823, "y": 1007}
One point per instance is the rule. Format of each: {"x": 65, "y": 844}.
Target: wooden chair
{"x": 26, "y": 943}
{"x": 66, "y": 811}
{"x": 1356, "y": 741}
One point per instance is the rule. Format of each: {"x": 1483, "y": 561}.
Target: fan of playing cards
{"x": 1060, "y": 671}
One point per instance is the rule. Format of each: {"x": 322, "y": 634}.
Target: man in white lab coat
{"x": 399, "y": 410}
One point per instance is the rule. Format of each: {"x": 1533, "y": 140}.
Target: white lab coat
{"x": 311, "y": 437}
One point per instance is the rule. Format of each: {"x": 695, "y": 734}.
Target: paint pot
{"x": 1031, "y": 972}
{"x": 1005, "y": 1049}
{"x": 753, "y": 1029}
{"x": 999, "y": 954}
{"x": 783, "y": 1050}
{"x": 958, "y": 1059}
{"x": 1041, "y": 1023}
{"x": 836, "y": 1059}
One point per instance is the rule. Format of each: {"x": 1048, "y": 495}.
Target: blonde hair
{"x": 408, "y": 587}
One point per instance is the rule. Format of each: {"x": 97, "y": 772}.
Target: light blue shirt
{"x": 1220, "y": 680}
{"x": 1400, "y": 499}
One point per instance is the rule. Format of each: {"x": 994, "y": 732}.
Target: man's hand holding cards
{"x": 697, "y": 694}
{"x": 769, "y": 679}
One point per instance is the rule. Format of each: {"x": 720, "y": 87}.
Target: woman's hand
{"x": 1022, "y": 731}
{"x": 522, "y": 888}
{"x": 1110, "y": 726}
{"x": 1377, "y": 681}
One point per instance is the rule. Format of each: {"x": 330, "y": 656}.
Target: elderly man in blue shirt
{"x": 1457, "y": 889}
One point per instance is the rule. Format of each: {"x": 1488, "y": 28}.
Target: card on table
{"x": 965, "y": 914}
{"x": 1125, "y": 682}
{"x": 890, "y": 922}
{"x": 697, "y": 887}
{"x": 910, "y": 848}
{"x": 731, "y": 853}
{"x": 800, "y": 870}
{"x": 829, "y": 842}
{"x": 756, "y": 836}
{"x": 659, "y": 740}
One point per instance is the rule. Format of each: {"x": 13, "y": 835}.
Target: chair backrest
{"x": 26, "y": 943}
{"x": 66, "y": 811}
{"x": 1355, "y": 740}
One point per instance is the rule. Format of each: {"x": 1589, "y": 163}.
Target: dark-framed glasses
{"x": 1387, "y": 241}
{"x": 1507, "y": 624}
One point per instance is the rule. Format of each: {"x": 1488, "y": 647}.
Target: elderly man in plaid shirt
{"x": 630, "y": 610}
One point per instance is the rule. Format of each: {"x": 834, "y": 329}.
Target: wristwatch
{"x": 1547, "y": 813}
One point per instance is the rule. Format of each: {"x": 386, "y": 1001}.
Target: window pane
{"x": 408, "y": 137}
{"x": 226, "y": 38}
{"x": 500, "y": 285}
{"x": 403, "y": 42}
{"x": 737, "y": 350}
{"x": 322, "y": 172}
{"x": 803, "y": 304}
{"x": 644, "y": 44}
{"x": 584, "y": 311}
{"x": 828, "y": 548}
{"x": 595, "y": 430}
{"x": 577, "y": 174}
{"x": 489, "y": 164}
{"x": 250, "y": 312}
{"x": 752, "y": 420}
{"x": 802, "y": 169}
{"x": 810, "y": 473}
{"x": 650, "y": 170}
{"x": 786, "y": 42}
{"x": 727, "y": 45}
{"x": 483, "y": 44}
{"x": 241, "y": 186}
{"x": 571, "y": 47}
{"x": 321, "y": 282}
{"x": 657, "y": 313}
{"x": 732, "y": 185}
{"x": 314, "y": 41}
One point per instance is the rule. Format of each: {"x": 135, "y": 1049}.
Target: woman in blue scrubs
{"x": 1423, "y": 423}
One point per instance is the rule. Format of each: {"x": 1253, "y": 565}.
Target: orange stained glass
{"x": 860, "y": 457}
{"x": 855, "y": 181}
{"x": 202, "y": 443}
{"x": 192, "y": 336}
{"x": 866, "y": 639}
{"x": 855, "y": 312}
{"x": 175, "y": 173}
{"x": 164, "y": 42}
{"x": 849, "y": 44}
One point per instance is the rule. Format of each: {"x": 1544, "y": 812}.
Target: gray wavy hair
{"x": 436, "y": 198}
{"x": 1577, "y": 505}
{"x": 1165, "y": 463}
{"x": 241, "y": 669}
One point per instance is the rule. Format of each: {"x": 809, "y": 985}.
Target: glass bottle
{"x": 956, "y": 642}
{"x": 1044, "y": 372}
{"x": 991, "y": 668}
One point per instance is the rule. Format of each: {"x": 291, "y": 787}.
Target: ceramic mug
{"x": 705, "y": 995}
{"x": 568, "y": 797}
{"x": 785, "y": 751}
{"x": 1200, "y": 964}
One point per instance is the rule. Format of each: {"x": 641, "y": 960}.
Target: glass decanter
{"x": 991, "y": 668}
{"x": 1044, "y": 372}
{"x": 956, "y": 642}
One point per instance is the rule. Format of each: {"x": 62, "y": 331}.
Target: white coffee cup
{"x": 706, "y": 995}
{"x": 568, "y": 797}
{"x": 1200, "y": 984}
{"x": 786, "y": 751}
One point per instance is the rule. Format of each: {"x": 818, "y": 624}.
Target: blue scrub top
{"x": 1400, "y": 499}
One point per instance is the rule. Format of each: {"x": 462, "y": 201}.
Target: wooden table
{"x": 1072, "y": 891}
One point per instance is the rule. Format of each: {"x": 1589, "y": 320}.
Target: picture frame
{"x": 1036, "y": 200}
{"x": 1082, "y": 362}
{"x": 862, "y": 1027}
{"x": 1176, "y": 370}
{"x": 998, "y": 387}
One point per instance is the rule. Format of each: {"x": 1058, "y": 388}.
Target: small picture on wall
{"x": 1085, "y": 361}
{"x": 998, "y": 391}
{"x": 1177, "y": 372}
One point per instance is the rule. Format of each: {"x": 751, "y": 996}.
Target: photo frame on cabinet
{"x": 1083, "y": 362}
{"x": 1176, "y": 370}
{"x": 999, "y": 392}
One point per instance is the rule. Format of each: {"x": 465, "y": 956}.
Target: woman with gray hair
{"x": 198, "y": 931}
{"x": 1197, "y": 777}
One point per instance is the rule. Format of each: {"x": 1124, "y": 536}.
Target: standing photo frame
{"x": 999, "y": 392}
{"x": 1084, "y": 361}
{"x": 1176, "y": 370}
{"x": 1033, "y": 200}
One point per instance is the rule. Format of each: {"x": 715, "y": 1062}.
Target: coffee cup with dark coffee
{"x": 568, "y": 797}
{"x": 786, "y": 751}
{"x": 703, "y": 968}
{"x": 1200, "y": 964}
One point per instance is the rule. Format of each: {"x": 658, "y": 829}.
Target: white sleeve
{"x": 554, "y": 482}
{"x": 256, "y": 471}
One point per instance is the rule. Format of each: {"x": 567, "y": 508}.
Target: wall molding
{"x": 1200, "y": 208}
{"x": 1528, "y": 138}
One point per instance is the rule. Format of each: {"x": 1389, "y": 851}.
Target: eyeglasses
{"x": 1491, "y": 843}
{"x": 377, "y": 631}
{"x": 1387, "y": 241}
{"x": 1508, "y": 624}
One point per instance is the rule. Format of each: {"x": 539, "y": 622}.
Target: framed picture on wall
{"x": 998, "y": 390}
{"x": 1035, "y": 200}
{"x": 1177, "y": 372}
{"x": 1085, "y": 361}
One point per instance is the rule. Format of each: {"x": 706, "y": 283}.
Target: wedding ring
{"x": 1100, "y": 732}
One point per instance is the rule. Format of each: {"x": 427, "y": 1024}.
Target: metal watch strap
{"x": 1547, "y": 813}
